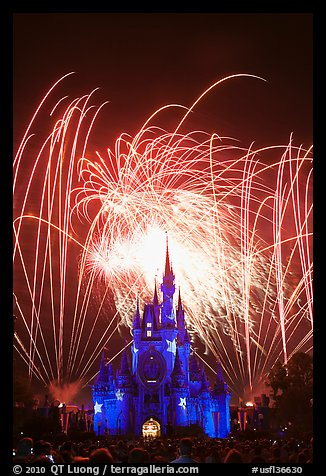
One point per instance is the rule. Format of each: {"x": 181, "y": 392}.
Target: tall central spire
{"x": 168, "y": 268}
{"x": 168, "y": 288}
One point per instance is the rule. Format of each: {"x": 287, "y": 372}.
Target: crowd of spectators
{"x": 165, "y": 451}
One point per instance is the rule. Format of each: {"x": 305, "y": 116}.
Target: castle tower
{"x": 156, "y": 306}
{"x": 103, "y": 373}
{"x": 179, "y": 393}
{"x": 124, "y": 395}
{"x": 195, "y": 377}
{"x": 103, "y": 392}
{"x": 183, "y": 340}
{"x": 207, "y": 422}
{"x": 169, "y": 331}
{"x": 168, "y": 289}
{"x": 221, "y": 395}
{"x": 136, "y": 331}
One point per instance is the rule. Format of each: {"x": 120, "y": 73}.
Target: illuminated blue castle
{"x": 164, "y": 388}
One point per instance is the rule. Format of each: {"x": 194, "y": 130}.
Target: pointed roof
{"x": 124, "y": 364}
{"x": 150, "y": 316}
{"x": 103, "y": 359}
{"x": 156, "y": 307}
{"x": 204, "y": 381}
{"x": 168, "y": 268}
{"x": 177, "y": 375}
{"x": 177, "y": 368}
{"x": 179, "y": 300}
{"x": 136, "y": 323}
{"x": 219, "y": 374}
{"x": 109, "y": 367}
{"x": 180, "y": 312}
{"x": 155, "y": 298}
{"x": 195, "y": 373}
{"x": 102, "y": 375}
{"x": 183, "y": 335}
{"x": 220, "y": 385}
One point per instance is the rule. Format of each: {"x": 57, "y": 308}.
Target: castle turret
{"x": 124, "y": 375}
{"x": 221, "y": 396}
{"x": 220, "y": 385}
{"x": 194, "y": 376}
{"x": 178, "y": 376}
{"x": 124, "y": 395}
{"x": 136, "y": 321}
{"x": 207, "y": 424}
{"x": 136, "y": 332}
{"x": 103, "y": 389}
{"x": 183, "y": 336}
{"x": 168, "y": 289}
{"x": 183, "y": 340}
{"x": 194, "y": 370}
{"x": 110, "y": 374}
{"x": 179, "y": 392}
{"x": 204, "y": 382}
{"x": 156, "y": 306}
{"x": 150, "y": 324}
{"x": 102, "y": 377}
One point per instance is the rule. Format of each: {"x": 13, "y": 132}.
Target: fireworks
{"x": 239, "y": 230}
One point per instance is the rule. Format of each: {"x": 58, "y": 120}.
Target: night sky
{"x": 143, "y": 61}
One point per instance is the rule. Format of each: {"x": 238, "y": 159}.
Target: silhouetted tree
{"x": 292, "y": 390}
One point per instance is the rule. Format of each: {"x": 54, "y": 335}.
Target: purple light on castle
{"x": 165, "y": 386}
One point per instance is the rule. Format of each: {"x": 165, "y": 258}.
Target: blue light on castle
{"x": 162, "y": 386}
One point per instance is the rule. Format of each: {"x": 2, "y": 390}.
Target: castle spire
{"x": 102, "y": 376}
{"x": 180, "y": 313}
{"x": 220, "y": 385}
{"x": 124, "y": 376}
{"x": 194, "y": 368}
{"x": 136, "y": 323}
{"x": 168, "y": 269}
{"x": 204, "y": 381}
{"x": 179, "y": 299}
{"x": 178, "y": 376}
{"x": 156, "y": 306}
{"x": 168, "y": 289}
{"x": 150, "y": 320}
{"x": 155, "y": 298}
{"x": 124, "y": 364}
{"x": 183, "y": 335}
{"x": 219, "y": 370}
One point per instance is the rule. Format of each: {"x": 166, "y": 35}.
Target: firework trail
{"x": 239, "y": 229}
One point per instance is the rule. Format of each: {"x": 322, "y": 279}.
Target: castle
{"x": 165, "y": 387}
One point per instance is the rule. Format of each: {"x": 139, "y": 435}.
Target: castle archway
{"x": 151, "y": 428}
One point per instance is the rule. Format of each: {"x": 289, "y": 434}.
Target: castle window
{"x": 149, "y": 324}
{"x": 149, "y": 333}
